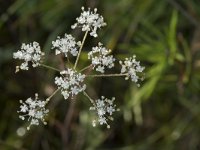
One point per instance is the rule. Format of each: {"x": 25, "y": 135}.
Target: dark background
{"x": 162, "y": 114}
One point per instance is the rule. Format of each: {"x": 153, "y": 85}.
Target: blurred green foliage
{"x": 162, "y": 114}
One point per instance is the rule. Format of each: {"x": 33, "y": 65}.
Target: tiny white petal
{"x": 70, "y": 83}
{"x": 29, "y": 53}
{"x": 100, "y": 58}
{"x": 132, "y": 68}
{"x": 104, "y": 108}
{"x": 66, "y": 45}
{"x": 89, "y": 21}
{"x": 34, "y": 110}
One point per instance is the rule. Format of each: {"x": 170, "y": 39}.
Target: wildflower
{"x": 89, "y": 21}
{"x": 66, "y": 45}
{"x": 70, "y": 83}
{"x": 34, "y": 110}
{"x": 100, "y": 58}
{"x": 104, "y": 108}
{"x": 29, "y": 53}
{"x": 131, "y": 67}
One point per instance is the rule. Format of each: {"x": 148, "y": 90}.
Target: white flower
{"x": 66, "y": 45}
{"x": 104, "y": 108}
{"x": 101, "y": 58}
{"x": 70, "y": 83}
{"x": 34, "y": 110}
{"x": 94, "y": 123}
{"x": 89, "y": 21}
{"x": 29, "y": 53}
{"x": 132, "y": 68}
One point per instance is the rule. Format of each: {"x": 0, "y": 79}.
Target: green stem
{"x": 48, "y": 99}
{"x": 107, "y": 75}
{"x": 87, "y": 67}
{"x": 49, "y": 67}
{"x": 82, "y": 43}
{"x": 91, "y": 100}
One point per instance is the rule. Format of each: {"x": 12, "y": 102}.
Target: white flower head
{"x": 104, "y": 108}
{"x": 66, "y": 45}
{"x": 101, "y": 58}
{"x": 89, "y": 21}
{"x": 34, "y": 110}
{"x": 29, "y": 53}
{"x": 70, "y": 83}
{"x": 132, "y": 68}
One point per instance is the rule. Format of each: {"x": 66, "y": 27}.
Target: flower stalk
{"x": 49, "y": 67}
{"x": 107, "y": 75}
{"x": 48, "y": 99}
{"x": 80, "y": 49}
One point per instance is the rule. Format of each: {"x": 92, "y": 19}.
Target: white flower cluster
{"x": 70, "y": 83}
{"x": 131, "y": 67}
{"x": 66, "y": 45}
{"x": 34, "y": 110}
{"x": 89, "y": 21}
{"x": 29, "y": 53}
{"x": 100, "y": 58}
{"x": 105, "y": 109}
